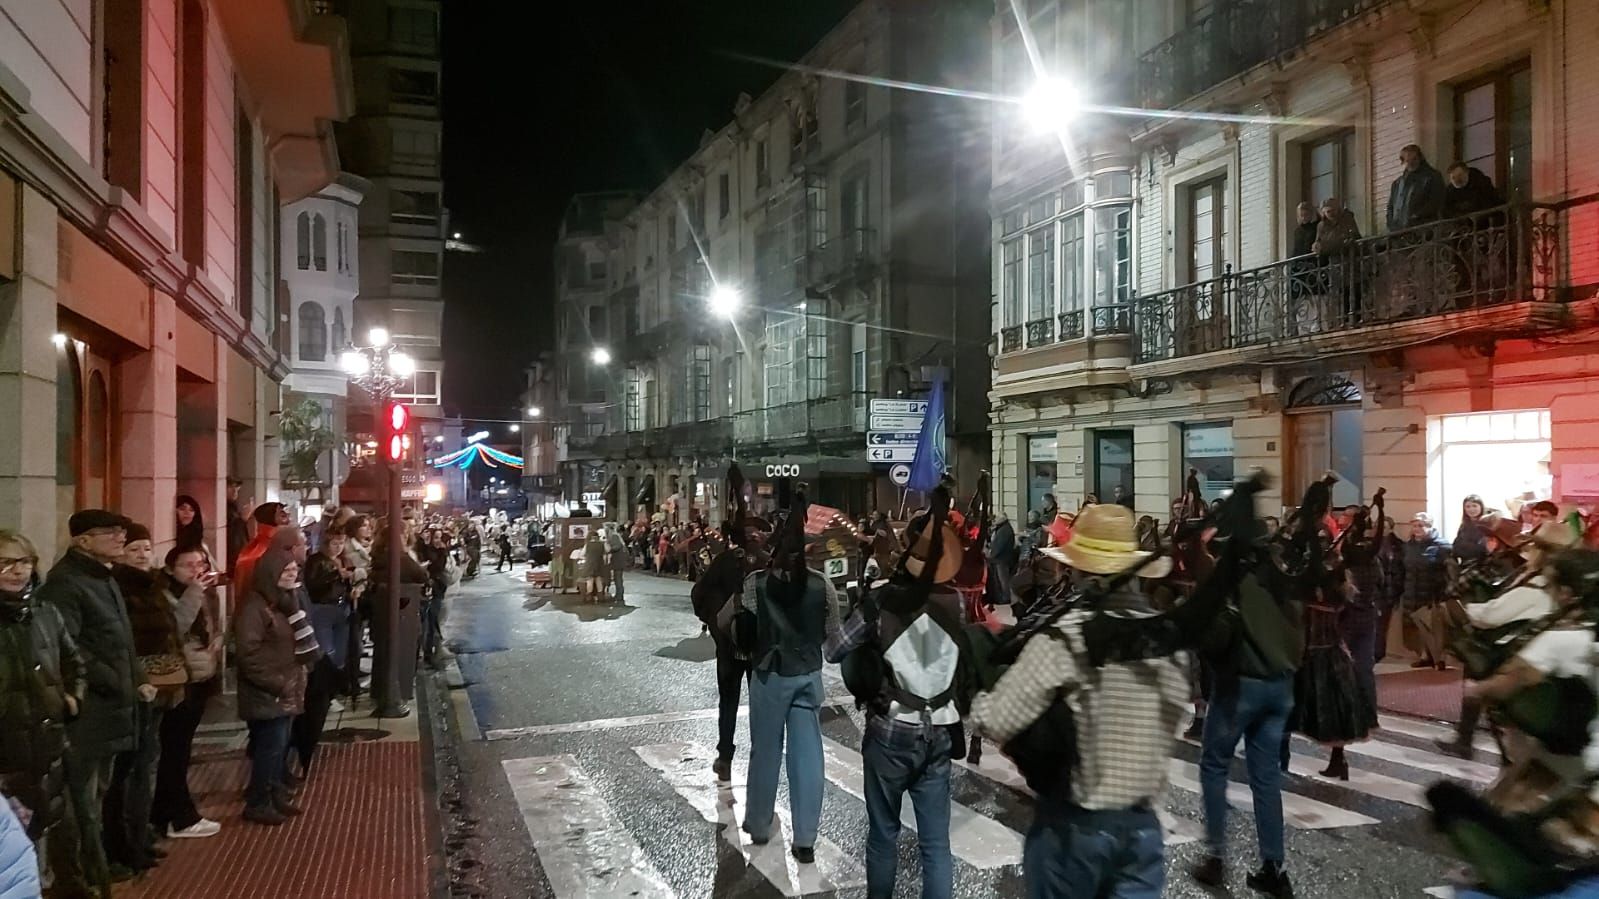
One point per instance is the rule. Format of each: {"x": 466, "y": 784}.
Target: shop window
{"x": 1501, "y": 456}
{"x": 1113, "y": 464}
{"x": 1042, "y": 469}
{"x": 1208, "y": 449}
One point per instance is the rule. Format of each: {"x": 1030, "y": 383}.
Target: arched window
{"x": 69, "y": 419}
{"x": 340, "y": 338}
{"x": 319, "y": 242}
{"x": 338, "y": 230}
{"x": 302, "y": 240}
{"x": 313, "y": 333}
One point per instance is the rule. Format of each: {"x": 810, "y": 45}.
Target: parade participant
{"x": 716, "y": 596}
{"x": 912, "y": 625}
{"x": 794, "y": 608}
{"x": 1096, "y": 834}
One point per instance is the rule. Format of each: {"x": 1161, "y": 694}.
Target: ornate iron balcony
{"x": 1499, "y": 256}
{"x": 1236, "y": 37}
{"x": 1113, "y": 319}
{"x": 1010, "y": 339}
{"x": 1071, "y": 325}
{"x": 1040, "y": 332}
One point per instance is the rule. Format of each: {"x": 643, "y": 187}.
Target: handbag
{"x": 201, "y": 662}
{"x": 166, "y": 669}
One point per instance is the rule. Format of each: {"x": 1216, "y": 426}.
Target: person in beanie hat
{"x": 268, "y": 517}
{"x": 271, "y": 682}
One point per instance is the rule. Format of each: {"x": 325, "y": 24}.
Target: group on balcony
{"x": 1451, "y": 244}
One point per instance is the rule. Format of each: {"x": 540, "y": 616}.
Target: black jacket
{"x": 39, "y": 669}
{"x": 1478, "y": 195}
{"x": 1416, "y": 197}
{"x": 82, "y": 590}
{"x": 1304, "y": 239}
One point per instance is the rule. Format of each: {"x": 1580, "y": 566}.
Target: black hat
{"x": 267, "y": 513}
{"x": 137, "y": 531}
{"x": 85, "y": 520}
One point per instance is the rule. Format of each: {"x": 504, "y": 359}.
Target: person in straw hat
{"x": 1104, "y": 838}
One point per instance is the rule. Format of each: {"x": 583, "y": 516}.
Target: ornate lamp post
{"x": 378, "y": 369}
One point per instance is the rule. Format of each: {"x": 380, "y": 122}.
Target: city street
{"x": 589, "y": 774}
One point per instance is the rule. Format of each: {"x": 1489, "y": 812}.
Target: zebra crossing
{"x": 587, "y": 848}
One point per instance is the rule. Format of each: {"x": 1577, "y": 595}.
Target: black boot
{"x": 1272, "y": 880}
{"x": 1337, "y": 765}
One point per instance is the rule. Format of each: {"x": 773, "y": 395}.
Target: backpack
{"x": 870, "y": 678}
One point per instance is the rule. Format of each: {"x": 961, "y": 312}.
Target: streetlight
{"x": 725, "y": 301}
{"x": 534, "y": 412}
{"x": 378, "y": 369}
{"x": 1051, "y": 105}
{"x": 515, "y": 428}
{"x": 600, "y": 356}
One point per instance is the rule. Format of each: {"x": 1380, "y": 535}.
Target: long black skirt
{"x": 1329, "y": 704}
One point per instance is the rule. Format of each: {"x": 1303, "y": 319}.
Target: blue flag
{"x": 931, "y": 454}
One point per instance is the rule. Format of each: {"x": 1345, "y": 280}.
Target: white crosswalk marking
{"x": 586, "y": 852}
{"x": 974, "y": 839}
{"x": 1298, "y": 811}
{"x": 1002, "y": 770}
{"x": 687, "y": 767}
{"x": 1425, "y": 730}
{"x": 1435, "y": 762}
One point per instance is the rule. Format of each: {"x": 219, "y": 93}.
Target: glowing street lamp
{"x": 725, "y": 301}
{"x": 1052, "y": 105}
{"x": 534, "y": 412}
{"x": 378, "y": 337}
{"x": 600, "y": 356}
{"x": 515, "y": 428}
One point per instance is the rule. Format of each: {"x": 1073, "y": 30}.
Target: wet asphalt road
{"x": 546, "y": 673}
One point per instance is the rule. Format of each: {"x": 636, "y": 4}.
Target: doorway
{"x": 1113, "y": 464}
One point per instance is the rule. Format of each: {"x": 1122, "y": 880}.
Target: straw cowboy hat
{"x": 1105, "y": 541}
{"x": 949, "y": 558}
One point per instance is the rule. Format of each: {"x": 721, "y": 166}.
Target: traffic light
{"x": 398, "y": 419}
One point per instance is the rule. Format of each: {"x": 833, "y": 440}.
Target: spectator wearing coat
{"x": 1002, "y": 555}
{"x": 41, "y": 687}
{"x": 81, "y": 588}
{"x": 1417, "y": 195}
{"x": 19, "y": 868}
{"x": 271, "y": 687}
{"x": 186, "y": 582}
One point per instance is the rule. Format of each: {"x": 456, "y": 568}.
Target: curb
{"x": 453, "y": 865}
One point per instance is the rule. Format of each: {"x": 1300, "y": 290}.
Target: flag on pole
{"x": 931, "y": 453}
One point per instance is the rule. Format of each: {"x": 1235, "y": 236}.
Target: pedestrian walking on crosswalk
{"x": 908, "y": 635}
{"x": 793, "y": 608}
{"x": 1098, "y": 834}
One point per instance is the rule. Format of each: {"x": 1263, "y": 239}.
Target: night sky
{"x": 543, "y": 101}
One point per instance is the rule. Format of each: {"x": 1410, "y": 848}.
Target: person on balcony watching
{"x": 1417, "y": 195}
{"x": 1336, "y": 234}
{"x": 1468, "y": 193}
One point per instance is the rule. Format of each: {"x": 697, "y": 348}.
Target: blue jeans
{"x": 915, "y": 763}
{"x": 269, "y": 752}
{"x": 1075, "y": 853}
{"x": 780, "y": 705}
{"x": 1588, "y": 886}
{"x": 1256, "y": 710}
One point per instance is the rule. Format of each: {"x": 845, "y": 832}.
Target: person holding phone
{"x": 188, "y": 582}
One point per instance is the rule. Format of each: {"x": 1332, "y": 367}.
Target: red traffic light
{"x": 398, "y": 418}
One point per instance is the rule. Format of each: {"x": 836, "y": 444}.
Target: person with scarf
{"x": 268, "y": 518}
{"x": 794, "y": 608}
{"x": 186, "y": 582}
{"x": 271, "y": 689}
{"x": 41, "y": 687}
{"x": 157, "y": 641}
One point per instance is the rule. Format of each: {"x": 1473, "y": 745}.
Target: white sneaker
{"x": 335, "y": 706}
{"x": 204, "y": 827}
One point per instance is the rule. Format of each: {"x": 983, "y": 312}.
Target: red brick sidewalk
{"x": 1423, "y": 693}
{"x": 362, "y": 835}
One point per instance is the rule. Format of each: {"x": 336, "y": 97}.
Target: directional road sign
{"x": 899, "y": 407}
{"x": 885, "y": 454}
{"x": 896, "y": 422}
{"x": 891, "y": 438}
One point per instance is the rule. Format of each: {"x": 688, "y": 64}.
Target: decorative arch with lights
{"x": 475, "y": 453}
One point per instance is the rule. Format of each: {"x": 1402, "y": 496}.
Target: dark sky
{"x": 546, "y": 100}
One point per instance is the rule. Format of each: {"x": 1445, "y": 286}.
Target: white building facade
{"x": 1453, "y": 357}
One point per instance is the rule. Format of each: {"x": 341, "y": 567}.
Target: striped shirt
{"x": 1127, "y": 714}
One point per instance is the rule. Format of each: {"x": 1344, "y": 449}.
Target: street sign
{"x": 885, "y": 454}
{"x": 899, "y": 407}
{"x": 891, "y": 438}
{"x": 900, "y": 474}
{"x": 896, "y": 422}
